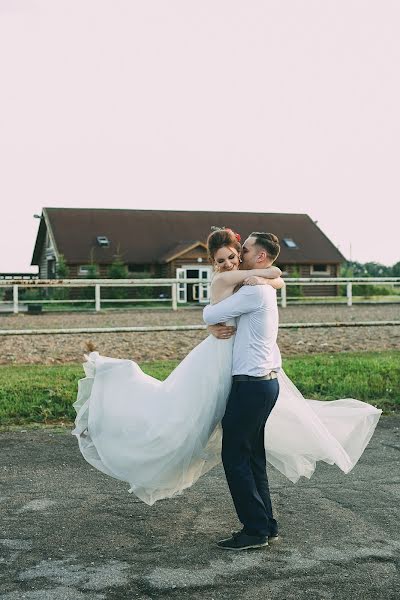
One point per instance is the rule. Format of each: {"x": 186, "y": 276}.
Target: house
{"x": 163, "y": 243}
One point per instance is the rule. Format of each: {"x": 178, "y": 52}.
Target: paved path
{"x": 69, "y": 533}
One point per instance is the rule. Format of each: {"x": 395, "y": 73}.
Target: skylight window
{"x": 103, "y": 241}
{"x": 290, "y": 243}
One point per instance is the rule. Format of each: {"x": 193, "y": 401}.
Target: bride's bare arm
{"x": 233, "y": 278}
{"x": 276, "y": 283}
{"x": 223, "y": 284}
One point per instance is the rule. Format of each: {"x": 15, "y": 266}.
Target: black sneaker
{"x": 242, "y": 541}
{"x": 274, "y": 537}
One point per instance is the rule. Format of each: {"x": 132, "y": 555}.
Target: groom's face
{"x": 250, "y": 254}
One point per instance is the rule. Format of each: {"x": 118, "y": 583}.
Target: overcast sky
{"x": 275, "y": 106}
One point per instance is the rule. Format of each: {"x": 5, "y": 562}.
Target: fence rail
{"x": 175, "y": 285}
{"x": 152, "y": 329}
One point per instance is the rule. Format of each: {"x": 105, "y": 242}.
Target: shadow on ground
{"x": 70, "y": 533}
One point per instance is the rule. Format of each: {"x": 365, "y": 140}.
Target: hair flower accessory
{"x": 237, "y": 235}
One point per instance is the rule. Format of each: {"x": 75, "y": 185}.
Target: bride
{"x": 160, "y": 437}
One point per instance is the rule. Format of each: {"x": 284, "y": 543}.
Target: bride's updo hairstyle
{"x": 269, "y": 242}
{"x": 220, "y": 237}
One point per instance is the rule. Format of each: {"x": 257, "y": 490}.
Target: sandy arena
{"x": 50, "y": 349}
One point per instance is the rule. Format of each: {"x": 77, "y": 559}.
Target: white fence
{"x": 152, "y": 329}
{"x": 175, "y": 285}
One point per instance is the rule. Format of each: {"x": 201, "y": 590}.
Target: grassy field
{"x": 44, "y": 394}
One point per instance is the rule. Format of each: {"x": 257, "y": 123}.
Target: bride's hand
{"x": 276, "y": 283}
{"x": 222, "y": 332}
{"x": 254, "y": 280}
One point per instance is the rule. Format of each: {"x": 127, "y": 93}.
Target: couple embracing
{"x": 160, "y": 437}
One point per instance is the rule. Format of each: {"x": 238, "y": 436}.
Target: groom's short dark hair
{"x": 269, "y": 242}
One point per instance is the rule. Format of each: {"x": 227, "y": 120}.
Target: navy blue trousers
{"x": 243, "y": 453}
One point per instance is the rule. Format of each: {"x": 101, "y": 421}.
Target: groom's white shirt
{"x": 255, "y": 351}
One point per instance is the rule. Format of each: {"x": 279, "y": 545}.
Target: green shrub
{"x": 294, "y": 291}
{"x": 62, "y": 268}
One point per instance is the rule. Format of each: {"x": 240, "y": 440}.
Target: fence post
{"x": 349, "y": 294}
{"x": 174, "y": 294}
{"x": 283, "y": 297}
{"x": 15, "y": 299}
{"x": 97, "y": 297}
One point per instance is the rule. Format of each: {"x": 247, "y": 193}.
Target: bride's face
{"x": 226, "y": 259}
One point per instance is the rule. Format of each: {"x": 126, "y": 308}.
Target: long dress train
{"x": 160, "y": 437}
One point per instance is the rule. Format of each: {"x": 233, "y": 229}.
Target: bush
{"x": 117, "y": 269}
{"x": 368, "y": 290}
{"x": 147, "y": 292}
{"x": 58, "y": 293}
{"x": 294, "y": 291}
{"x": 33, "y": 294}
{"x": 62, "y": 268}
{"x": 87, "y": 293}
{"x": 93, "y": 271}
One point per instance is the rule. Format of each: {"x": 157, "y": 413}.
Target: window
{"x": 83, "y": 270}
{"x": 320, "y": 269}
{"x": 103, "y": 241}
{"x": 290, "y": 243}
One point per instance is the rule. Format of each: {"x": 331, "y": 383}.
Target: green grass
{"x": 373, "y": 377}
{"x": 44, "y": 394}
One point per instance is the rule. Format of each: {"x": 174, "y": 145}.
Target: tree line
{"x": 369, "y": 269}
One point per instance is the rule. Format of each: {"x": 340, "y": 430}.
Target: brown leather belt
{"x": 272, "y": 375}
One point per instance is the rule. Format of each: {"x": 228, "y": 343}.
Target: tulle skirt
{"x": 160, "y": 437}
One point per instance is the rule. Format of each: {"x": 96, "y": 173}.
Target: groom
{"x": 255, "y": 388}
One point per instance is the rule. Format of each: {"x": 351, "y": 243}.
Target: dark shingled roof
{"x": 149, "y": 236}
{"x": 181, "y": 249}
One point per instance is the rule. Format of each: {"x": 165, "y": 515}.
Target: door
{"x": 204, "y": 288}
{"x": 192, "y": 289}
{"x": 194, "y": 292}
{"x": 182, "y": 289}
{"x": 51, "y": 269}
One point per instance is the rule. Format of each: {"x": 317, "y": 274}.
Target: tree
{"x": 377, "y": 270}
{"x": 353, "y": 268}
{"x": 62, "y": 268}
{"x": 396, "y": 270}
{"x": 117, "y": 269}
{"x": 295, "y": 290}
{"x": 62, "y": 272}
{"x": 369, "y": 269}
{"x": 92, "y": 271}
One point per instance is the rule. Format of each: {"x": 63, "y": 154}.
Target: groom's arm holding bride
{"x": 247, "y": 299}
{"x": 240, "y": 303}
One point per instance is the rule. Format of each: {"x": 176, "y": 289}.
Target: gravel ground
{"x": 49, "y": 349}
{"x": 68, "y": 532}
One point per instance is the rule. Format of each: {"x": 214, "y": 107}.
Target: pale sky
{"x": 275, "y": 106}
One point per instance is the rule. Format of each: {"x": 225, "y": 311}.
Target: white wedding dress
{"x": 160, "y": 437}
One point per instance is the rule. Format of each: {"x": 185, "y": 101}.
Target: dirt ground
{"x": 58, "y": 348}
